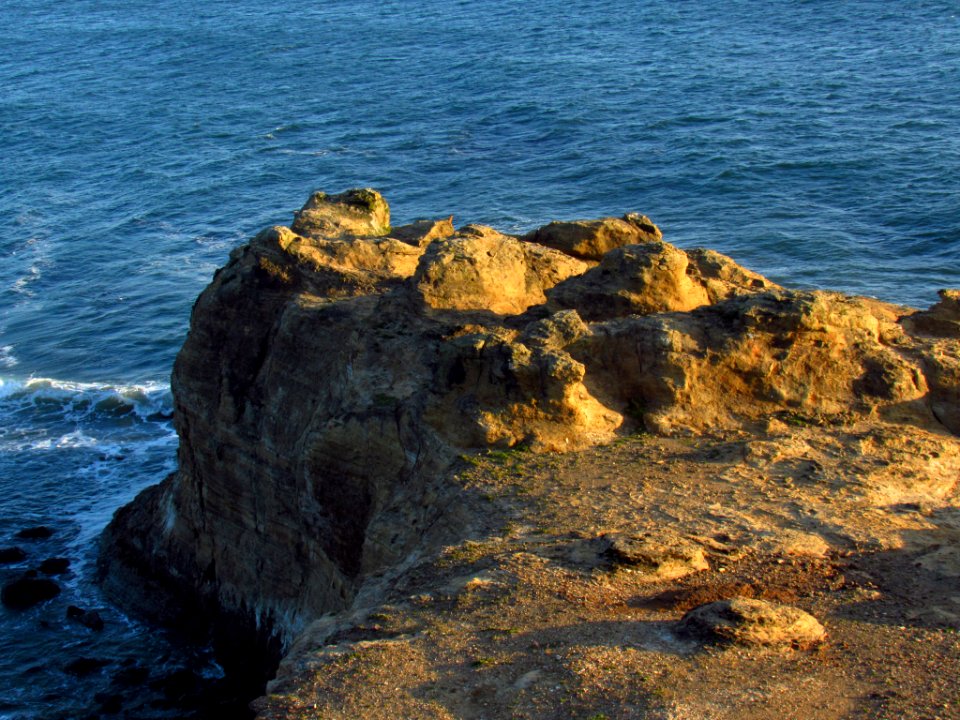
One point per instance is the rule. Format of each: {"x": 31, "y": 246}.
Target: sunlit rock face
{"x": 334, "y": 369}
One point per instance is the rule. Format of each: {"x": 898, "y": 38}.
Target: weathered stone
{"x": 329, "y": 381}
{"x": 592, "y": 239}
{"x": 652, "y": 278}
{"x": 358, "y": 213}
{"x": 749, "y": 357}
{"x": 423, "y": 232}
{"x": 633, "y": 280}
{"x": 338, "y": 267}
{"x": 721, "y": 277}
{"x": 660, "y": 559}
{"x": 941, "y": 320}
{"x": 480, "y": 269}
{"x": 747, "y": 621}
{"x": 937, "y": 330}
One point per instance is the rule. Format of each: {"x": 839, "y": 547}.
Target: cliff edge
{"x": 340, "y": 373}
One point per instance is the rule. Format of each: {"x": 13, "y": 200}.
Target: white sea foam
{"x": 82, "y": 399}
{"x": 7, "y": 358}
{"x": 22, "y": 284}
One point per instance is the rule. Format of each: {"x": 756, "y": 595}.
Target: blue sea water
{"x": 815, "y": 141}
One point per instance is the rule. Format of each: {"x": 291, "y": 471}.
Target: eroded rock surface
{"x": 748, "y": 621}
{"x": 334, "y": 371}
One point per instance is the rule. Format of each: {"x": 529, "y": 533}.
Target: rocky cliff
{"x": 337, "y": 369}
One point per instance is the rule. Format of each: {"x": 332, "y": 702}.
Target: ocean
{"x": 815, "y": 141}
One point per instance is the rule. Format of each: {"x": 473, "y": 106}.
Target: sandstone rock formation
{"x": 335, "y": 369}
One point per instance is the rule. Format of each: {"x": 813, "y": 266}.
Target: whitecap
{"x": 7, "y": 358}
{"x": 9, "y": 388}
{"x": 150, "y": 402}
{"x": 77, "y": 439}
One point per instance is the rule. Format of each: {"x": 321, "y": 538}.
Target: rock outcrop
{"x": 747, "y": 621}
{"x": 335, "y": 369}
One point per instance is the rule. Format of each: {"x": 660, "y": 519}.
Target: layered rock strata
{"x": 335, "y": 369}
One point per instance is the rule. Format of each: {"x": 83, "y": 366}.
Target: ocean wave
{"x": 151, "y": 401}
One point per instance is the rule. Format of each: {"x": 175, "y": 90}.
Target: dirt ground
{"x": 535, "y": 614}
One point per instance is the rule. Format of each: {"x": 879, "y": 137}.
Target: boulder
{"x": 27, "y": 591}
{"x": 131, "y": 676}
{"x": 423, "y": 232}
{"x": 40, "y": 532}
{"x": 740, "y": 361}
{"x": 658, "y": 558}
{"x": 655, "y": 277}
{"x": 751, "y": 622}
{"x": 721, "y": 277}
{"x": 283, "y": 260}
{"x": 358, "y": 213}
{"x": 633, "y": 280}
{"x": 12, "y": 555}
{"x": 481, "y": 269}
{"x": 90, "y": 619}
{"x": 938, "y": 331}
{"x": 84, "y": 666}
{"x": 55, "y": 566}
{"x": 592, "y": 239}
{"x": 941, "y": 320}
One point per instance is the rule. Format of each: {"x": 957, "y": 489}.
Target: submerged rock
{"x": 12, "y": 555}
{"x": 55, "y": 566}
{"x": 27, "y": 591}
{"x": 81, "y": 667}
{"x": 40, "y": 532}
{"x": 88, "y": 618}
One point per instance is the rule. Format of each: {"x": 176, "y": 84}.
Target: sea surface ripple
{"x": 816, "y": 142}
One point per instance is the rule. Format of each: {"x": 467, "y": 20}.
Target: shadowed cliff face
{"x": 333, "y": 371}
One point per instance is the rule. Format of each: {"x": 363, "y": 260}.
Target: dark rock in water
{"x": 27, "y": 591}
{"x": 130, "y": 676}
{"x": 81, "y": 667}
{"x": 178, "y": 685}
{"x": 88, "y": 618}
{"x": 12, "y": 555}
{"x": 110, "y": 703}
{"x": 55, "y": 566}
{"x": 41, "y": 532}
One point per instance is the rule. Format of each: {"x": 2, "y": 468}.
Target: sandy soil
{"x": 534, "y": 616}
